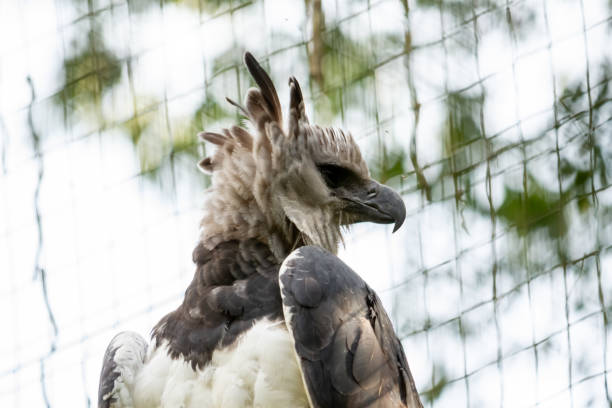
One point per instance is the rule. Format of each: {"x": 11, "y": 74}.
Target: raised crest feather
{"x": 214, "y": 138}
{"x": 266, "y": 90}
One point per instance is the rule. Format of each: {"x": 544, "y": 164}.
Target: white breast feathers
{"x": 260, "y": 370}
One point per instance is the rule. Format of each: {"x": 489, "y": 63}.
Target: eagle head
{"x": 289, "y": 186}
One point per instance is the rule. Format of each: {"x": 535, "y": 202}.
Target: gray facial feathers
{"x": 346, "y": 346}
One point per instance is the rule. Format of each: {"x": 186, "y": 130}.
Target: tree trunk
{"x": 314, "y": 10}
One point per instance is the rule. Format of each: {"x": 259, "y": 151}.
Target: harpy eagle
{"x": 272, "y": 317}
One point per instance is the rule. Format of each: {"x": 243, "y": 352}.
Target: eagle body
{"x": 272, "y": 317}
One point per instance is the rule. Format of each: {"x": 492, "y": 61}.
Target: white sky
{"x": 118, "y": 253}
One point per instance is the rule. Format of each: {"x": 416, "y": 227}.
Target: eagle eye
{"x": 335, "y": 176}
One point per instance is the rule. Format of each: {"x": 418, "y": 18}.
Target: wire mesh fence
{"x": 493, "y": 118}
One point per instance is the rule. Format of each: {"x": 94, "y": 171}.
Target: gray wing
{"x": 123, "y": 359}
{"x": 348, "y": 352}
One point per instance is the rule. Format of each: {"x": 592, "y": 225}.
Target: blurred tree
{"x": 89, "y": 73}
{"x": 93, "y": 70}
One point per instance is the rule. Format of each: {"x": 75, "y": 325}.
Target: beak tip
{"x": 393, "y": 205}
{"x": 400, "y": 214}
{"x": 398, "y": 224}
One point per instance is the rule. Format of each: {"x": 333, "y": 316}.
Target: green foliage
{"x": 344, "y": 59}
{"x": 460, "y": 9}
{"x": 535, "y": 209}
{"x": 389, "y": 165}
{"x": 432, "y": 394}
{"x": 229, "y": 59}
{"x": 589, "y": 168}
{"x": 134, "y": 127}
{"x": 210, "y": 111}
{"x": 461, "y": 128}
{"x": 91, "y": 71}
{"x": 346, "y": 62}
{"x": 208, "y": 6}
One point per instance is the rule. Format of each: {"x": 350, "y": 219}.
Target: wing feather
{"x": 348, "y": 352}
{"x": 123, "y": 359}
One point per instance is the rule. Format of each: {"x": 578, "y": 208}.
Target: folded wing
{"x": 348, "y": 352}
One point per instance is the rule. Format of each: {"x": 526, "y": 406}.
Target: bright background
{"x": 492, "y": 117}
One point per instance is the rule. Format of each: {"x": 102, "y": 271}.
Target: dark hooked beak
{"x": 376, "y": 203}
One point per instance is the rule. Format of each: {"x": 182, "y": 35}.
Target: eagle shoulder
{"x": 234, "y": 286}
{"x": 346, "y": 347}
